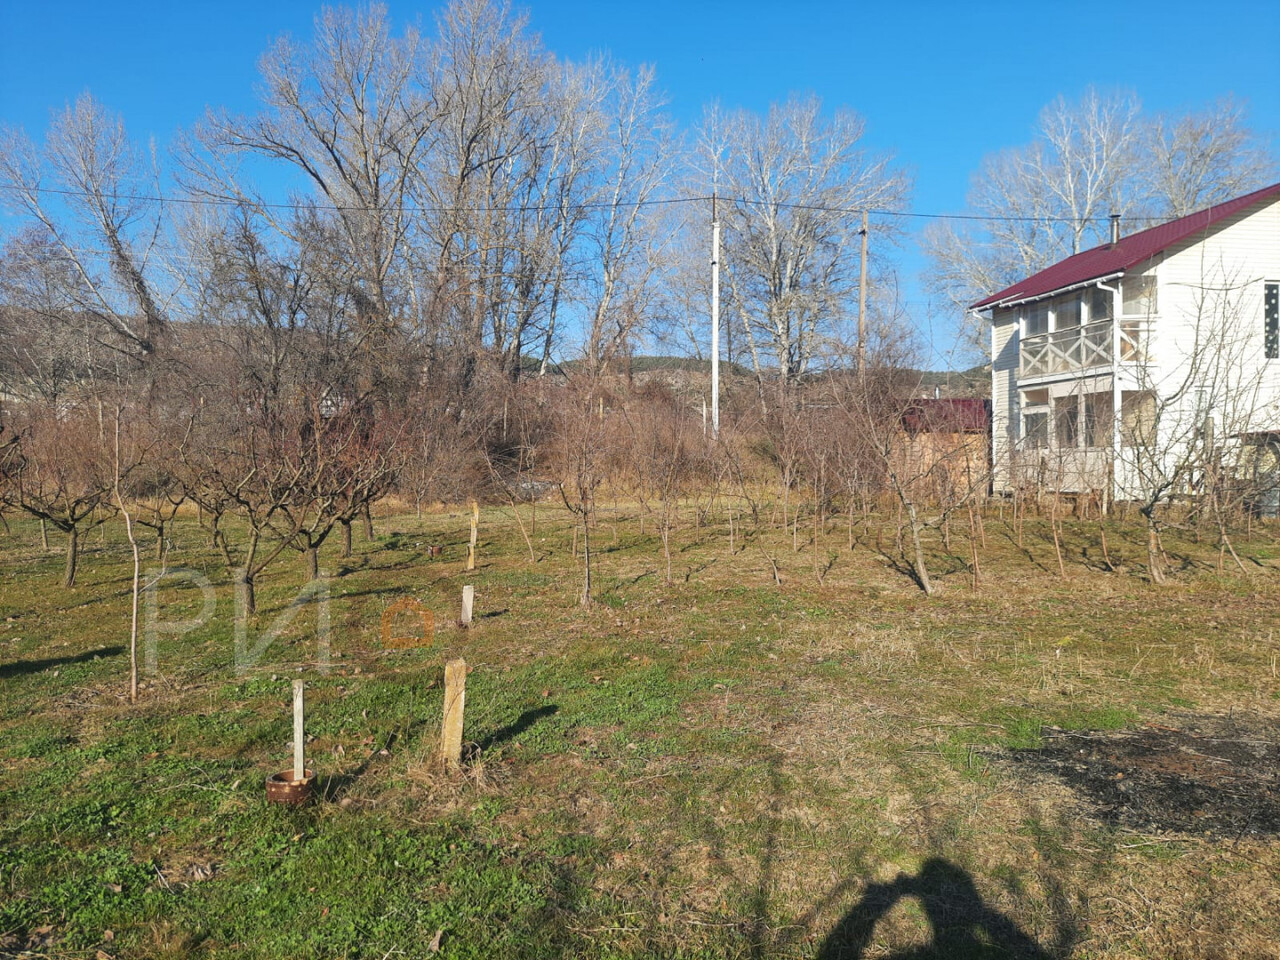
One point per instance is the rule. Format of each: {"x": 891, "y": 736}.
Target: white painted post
{"x": 299, "y": 745}
{"x": 468, "y": 602}
{"x": 715, "y": 320}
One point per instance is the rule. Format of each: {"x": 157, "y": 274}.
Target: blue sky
{"x": 939, "y": 84}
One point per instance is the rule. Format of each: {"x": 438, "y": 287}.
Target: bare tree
{"x": 95, "y": 198}
{"x": 795, "y": 183}
{"x": 57, "y": 466}
{"x": 585, "y": 454}
{"x": 1205, "y": 157}
{"x": 348, "y": 114}
{"x": 491, "y": 158}
{"x": 1181, "y": 430}
{"x": 624, "y": 243}
{"x": 1089, "y": 159}
{"x": 47, "y": 345}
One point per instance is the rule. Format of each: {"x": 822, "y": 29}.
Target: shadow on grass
{"x": 23, "y": 667}
{"x": 964, "y": 927}
{"x": 901, "y": 566}
{"x": 334, "y": 786}
{"x": 513, "y": 730}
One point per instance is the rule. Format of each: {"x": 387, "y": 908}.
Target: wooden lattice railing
{"x": 1080, "y": 348}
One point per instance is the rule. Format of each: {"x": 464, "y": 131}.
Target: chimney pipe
{"x": 1115, "y": 228}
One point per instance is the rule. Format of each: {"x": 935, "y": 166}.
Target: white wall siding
{"x": 1210, "y": 302}
{"x": 1004, "y": 396}
{"x": 1201, "y": 354}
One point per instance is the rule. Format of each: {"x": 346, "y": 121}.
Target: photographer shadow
{"x": 964, "y": 927}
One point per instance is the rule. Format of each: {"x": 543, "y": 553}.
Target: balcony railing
{"x": 1080, "y": 348}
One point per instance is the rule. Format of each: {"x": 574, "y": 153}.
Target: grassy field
{"x": 720, "y": 766}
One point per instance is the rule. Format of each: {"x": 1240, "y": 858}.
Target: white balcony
{"x": 1087, "y": 347}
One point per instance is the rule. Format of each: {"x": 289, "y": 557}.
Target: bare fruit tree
{"x": 1183, "y": 429}
{"x": 58, "y": 466}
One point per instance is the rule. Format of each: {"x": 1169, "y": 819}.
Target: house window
{"x": 1035, "y": 429}
{"x": 1066, "y": 312}
{"x": 1035, "y": 418}
{"x": 1139, "y": 296}
{"x": 1066, "y": 421}
{"x": 1097, "y": 419}
{"x": 1037, "y": 318}
{"x": 1101, "y": 303}
{"x": 1271, "y": 320}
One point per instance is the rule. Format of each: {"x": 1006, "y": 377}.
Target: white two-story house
{"x": 1108, "y": 366}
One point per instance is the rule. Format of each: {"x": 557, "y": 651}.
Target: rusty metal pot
{"x": 282, "y": 788}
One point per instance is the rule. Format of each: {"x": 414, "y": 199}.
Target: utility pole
{"x": 715, "y": 319}
{"x": 862, "y": 303}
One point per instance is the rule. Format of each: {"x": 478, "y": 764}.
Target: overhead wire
{"x": 584, "y": 205}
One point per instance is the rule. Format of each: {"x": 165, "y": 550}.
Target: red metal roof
{"x": 948, "y": 415}
{"x": 1110, "y": 259}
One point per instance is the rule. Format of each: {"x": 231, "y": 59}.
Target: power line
{"x": 586, "y": 205}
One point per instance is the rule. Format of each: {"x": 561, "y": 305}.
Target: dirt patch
{"x": 1212, "y": 776}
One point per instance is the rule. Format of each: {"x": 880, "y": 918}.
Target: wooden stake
{"x": 455, "y": 697}
{"x": 468, "y": 603}
{"x": 475, "y": 532}
{"x": 299, "y": 746}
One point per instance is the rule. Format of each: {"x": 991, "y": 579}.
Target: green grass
{"x": 713, "y": 767}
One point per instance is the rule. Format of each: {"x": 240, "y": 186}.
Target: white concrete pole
{"x": 468, "y": 602}
{"x": 862, "y": 302}
{"x": 715, "y": 320}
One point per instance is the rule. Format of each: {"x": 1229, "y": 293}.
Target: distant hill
{"x": 691, "y": 371}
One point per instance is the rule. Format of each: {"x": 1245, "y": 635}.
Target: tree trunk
{"x": 44, "y": 533}
{"x": 244, "y": 581}
{"x": 346, "y": 538}
{"x": 973, "y": 546}
{"x": 73, "y": 557}
{"x": 159, "y": 541}
{"x": 666, "y": 545}
{"x": 1154, "y": 565}
{"x": 220, "y": 539}
{"x": 586, "y": 561}
{"x": 313, "y": 563}
{"x": 922, "y": 571}
{"x": 368, "y": 523}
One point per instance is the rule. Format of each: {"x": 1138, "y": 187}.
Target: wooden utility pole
{"x": 862, "y": 303}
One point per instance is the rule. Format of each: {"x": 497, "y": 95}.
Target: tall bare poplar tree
{"x": 794, "y": 184}
{"x": 88, "y": 189}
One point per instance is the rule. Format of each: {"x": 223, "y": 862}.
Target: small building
{"x": 946, "y": 441}
{"x": 1111, "y": 365}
